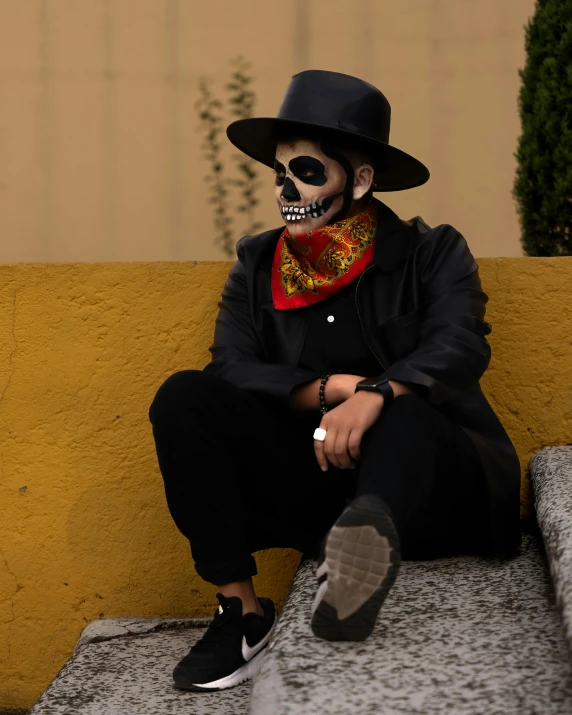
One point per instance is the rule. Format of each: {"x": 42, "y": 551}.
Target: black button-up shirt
{"x": 334, "y": 339}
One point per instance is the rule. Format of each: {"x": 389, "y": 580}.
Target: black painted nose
{"x": 289, "y": 191}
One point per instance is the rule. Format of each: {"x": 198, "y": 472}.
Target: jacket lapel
{"x": 287, "y": 327}
{"x": 392, "y": 241}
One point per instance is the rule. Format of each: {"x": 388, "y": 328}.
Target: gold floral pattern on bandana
{"x": 326, "y": 256}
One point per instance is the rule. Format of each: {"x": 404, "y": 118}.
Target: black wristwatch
{"x": 378, "y": 384}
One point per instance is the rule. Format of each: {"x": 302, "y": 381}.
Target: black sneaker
{"x": 230, "y": 650}
{"x": 358, "y": 564}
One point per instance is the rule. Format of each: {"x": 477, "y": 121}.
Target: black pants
{"x": 241, "y": 475}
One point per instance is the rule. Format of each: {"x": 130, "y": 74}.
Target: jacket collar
{"x": 392, "y": 241}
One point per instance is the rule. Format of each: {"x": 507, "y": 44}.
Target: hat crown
{"x": 339, "y": 101}
{"x": 344, "y": 106}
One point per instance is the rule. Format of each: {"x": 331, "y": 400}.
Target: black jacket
{"x": 422, "y": 312}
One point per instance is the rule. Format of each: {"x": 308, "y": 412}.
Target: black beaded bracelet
{"x": 323, "y": 408}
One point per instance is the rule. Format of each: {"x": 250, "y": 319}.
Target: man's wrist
{"x": 401, "y": 388}
{"x": 371, "y": 395}
{"x": 340, "y": 388}
{"x": 332, "y": 393}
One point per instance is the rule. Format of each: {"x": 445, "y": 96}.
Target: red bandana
{"x": 315, "y": 265}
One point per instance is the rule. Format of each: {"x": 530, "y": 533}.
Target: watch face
{"x": 373, "y": 382}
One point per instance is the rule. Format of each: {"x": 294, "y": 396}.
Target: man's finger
{"x": 320, "y": 455}
{"x": 340, "y": 451}
{"x": 319, "y": 449}
{"x": 329, "y": 443}
{"x": 354, "y": 443}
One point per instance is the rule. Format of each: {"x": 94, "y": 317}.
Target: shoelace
{"x": 213, "y": 635}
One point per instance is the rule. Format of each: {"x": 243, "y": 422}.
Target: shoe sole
{"x": 361, "y": 561}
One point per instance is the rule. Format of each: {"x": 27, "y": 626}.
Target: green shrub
{"x": 543, "y": 186}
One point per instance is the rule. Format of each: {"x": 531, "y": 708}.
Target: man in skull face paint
{"x": 341, "y": 414}
{"x": 316, "y": 186}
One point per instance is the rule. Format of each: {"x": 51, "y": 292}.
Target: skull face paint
{"x": 309, "y": 185}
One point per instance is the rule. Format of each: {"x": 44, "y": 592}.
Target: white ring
{"x": 320, "y": 434}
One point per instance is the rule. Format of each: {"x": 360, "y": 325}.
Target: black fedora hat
{"x": 338, "y": 105}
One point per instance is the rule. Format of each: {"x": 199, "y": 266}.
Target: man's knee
{"x": 411, "y": 409}
{"x": 181, "y": 387}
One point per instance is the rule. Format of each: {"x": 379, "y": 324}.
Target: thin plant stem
{"x": 242, "y": 101}
{"x": 211, "y": 126}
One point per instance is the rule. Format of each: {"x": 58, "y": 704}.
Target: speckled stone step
{"x": 123, "y": 667}
{"x": 551, "y": 476}
{"x": 464, "y": 636}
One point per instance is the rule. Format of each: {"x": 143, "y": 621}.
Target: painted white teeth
{"x": 296, "y": 213}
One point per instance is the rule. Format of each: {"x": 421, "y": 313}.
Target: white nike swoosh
{"x": 248, "y": 652}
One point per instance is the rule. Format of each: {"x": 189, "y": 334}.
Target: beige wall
{"x": 99, "y": 154}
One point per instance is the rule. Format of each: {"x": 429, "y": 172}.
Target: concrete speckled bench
{"x": 122, "y": 666}
{"x": 465, "y": 635}
{"x": 551, "y": 476}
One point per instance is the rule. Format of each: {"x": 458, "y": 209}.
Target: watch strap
{"x": 382, "y": 386}
{"x": 387, "y": 392}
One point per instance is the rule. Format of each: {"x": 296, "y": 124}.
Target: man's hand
{"x": 345, "y": 426}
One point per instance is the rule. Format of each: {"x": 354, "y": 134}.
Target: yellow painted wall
{"x": 84, "y": 528}
{"x": 99, "y": 154}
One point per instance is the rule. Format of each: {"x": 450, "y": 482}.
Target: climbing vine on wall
{"x": 232, "y": 185}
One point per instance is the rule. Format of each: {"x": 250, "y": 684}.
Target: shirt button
{"x": 330, "y": 318}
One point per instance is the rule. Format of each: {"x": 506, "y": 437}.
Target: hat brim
{"x": 395, "y": 170}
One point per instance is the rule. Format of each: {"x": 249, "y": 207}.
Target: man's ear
{"x": 363, "y": 179}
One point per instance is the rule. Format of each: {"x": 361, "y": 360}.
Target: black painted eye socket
{"x": 309, "y": 170}
{"x": 280, "y": 171}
